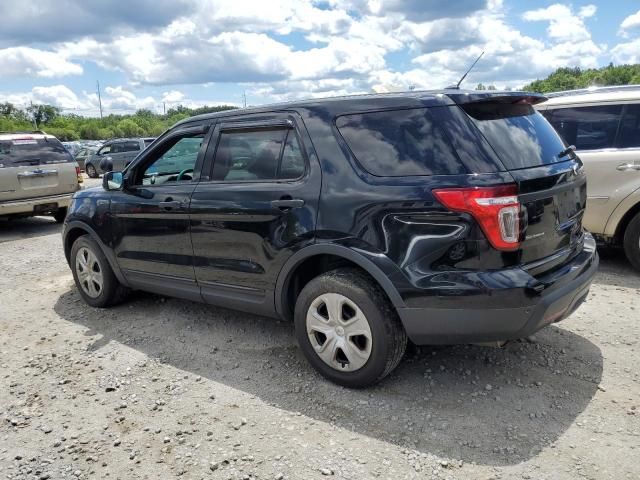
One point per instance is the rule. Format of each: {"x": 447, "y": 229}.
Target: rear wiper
{"x": 567, "y": 151}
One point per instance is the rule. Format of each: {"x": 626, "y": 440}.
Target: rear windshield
{"x": 520, "y": 136}
{"x": 41, "y": 151}
{"x": 399, "y": 143}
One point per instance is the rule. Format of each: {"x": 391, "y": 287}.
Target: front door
{"x": 150, "y": 217}
{"x": 257, "y": 206}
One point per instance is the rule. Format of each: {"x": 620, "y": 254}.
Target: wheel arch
{"x": 75, "y": 230}
{"x": 338, "y": 255}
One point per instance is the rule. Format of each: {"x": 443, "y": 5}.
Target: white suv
{"x": 38, "y": 175}
{"x": 604, "y": 126}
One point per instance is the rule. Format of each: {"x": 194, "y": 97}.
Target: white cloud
{"x": 173, "y": 96}
{"x": 564, "y": 24}
{"x": 630, "y": 23}
{"x": 627, "y": 52}
{"x": 31, "y": 62}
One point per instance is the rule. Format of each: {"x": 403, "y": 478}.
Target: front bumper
{"x": 559, "y": 295}
{"x": 31, "y": 206}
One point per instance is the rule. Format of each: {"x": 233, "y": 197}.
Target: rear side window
{"x": 520, "y": 136}
{"x": 14, "y": 153}
{"x": 399, "y": 143}
{"x": 629, "y": 136}
{"x": 588, "y": 128}
{"x": 255, "y": 155}
{"x": 130, "y": 146}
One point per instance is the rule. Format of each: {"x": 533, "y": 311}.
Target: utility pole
{"x": 99, "y": 98}
{"x": 33, "y": 114}
{"x": 164, "y": 107}
{"x": 244, "y": 98}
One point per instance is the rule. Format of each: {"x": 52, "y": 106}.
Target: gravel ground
{"x": 161, "y": 388}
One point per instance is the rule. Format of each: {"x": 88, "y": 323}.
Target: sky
{"x": 156, "y": 54}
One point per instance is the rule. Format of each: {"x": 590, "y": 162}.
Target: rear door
{"x": 551, "y": 181}
{"x": 607, "y": 137}
{"x": 34, "y": 166}
{"x": 256, "y": 207}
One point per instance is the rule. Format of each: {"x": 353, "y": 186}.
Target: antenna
{"x": 457, "y": 85}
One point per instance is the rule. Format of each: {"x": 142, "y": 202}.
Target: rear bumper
{"x": 559, "y": 295}
{"x": 30, "y": 206}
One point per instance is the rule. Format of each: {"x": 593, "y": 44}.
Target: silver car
{"x": 604, "y": 126}
{"x": 38, "y": 175}
{"x": 115, "y": 155}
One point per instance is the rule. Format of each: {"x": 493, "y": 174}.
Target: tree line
{"x": 68, "y": 127}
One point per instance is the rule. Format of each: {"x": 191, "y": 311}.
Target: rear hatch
{"x": 550, "y": 178}
{"x": 34, "y": 166}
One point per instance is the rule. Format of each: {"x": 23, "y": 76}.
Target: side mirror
{"x": 112, "y": 181}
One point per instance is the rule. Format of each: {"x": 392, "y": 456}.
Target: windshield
{"x": 520, "y": 136}
{"x": 31, "y": 151}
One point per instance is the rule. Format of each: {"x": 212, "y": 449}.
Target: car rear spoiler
{"x": 470, "y": 96}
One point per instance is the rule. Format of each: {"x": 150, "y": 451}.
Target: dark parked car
{"x": 115, "y": 155}
{"x": 439, "y": 217}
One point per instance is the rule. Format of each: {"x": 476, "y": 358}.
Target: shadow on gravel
{"x": 483, "y": 405}
{"x": 615, "y": 269}
{"x": 27, "y": 228}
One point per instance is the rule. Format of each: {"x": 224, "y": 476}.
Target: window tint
{"x": 256, "y": 155}
{"x": 588, "y": 128}
{"x": 117, "y": 148}
{"x": 629, "y": 135}
{"x": 399, "y": 143}
{"x": 32, "y": 152}
{"x": 148, "y": 141}
{"x": 292, "y": 165}
{"x": 520, "y": 136}
{"x": 176, "y": 162}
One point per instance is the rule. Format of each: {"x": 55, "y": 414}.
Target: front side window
{"x": 399, "y": 143}
{"x": 629, "y": 136}
{"x": 105, "y": 150}
{"x": 175, "y": 162}
{"x": 257, "y": 155}
{"x": 588, "y": 128}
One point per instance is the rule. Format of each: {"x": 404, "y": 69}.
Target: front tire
{"x": 632, "y": 241}
{"x": 91, "y": 171}
{"x": 347, "y": 329}
{"x": 95, "y": 280}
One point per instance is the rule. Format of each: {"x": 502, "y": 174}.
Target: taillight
{"x": 79, "y": 174}
{"x": 496, "y": 209}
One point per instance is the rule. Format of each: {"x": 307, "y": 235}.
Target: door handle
{"x": 287, "y": 203}
{"x": 170, "y": 204}
{"x": 628, "y": 166}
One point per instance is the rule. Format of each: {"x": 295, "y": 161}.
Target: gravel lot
{"x": 162, "y": 388}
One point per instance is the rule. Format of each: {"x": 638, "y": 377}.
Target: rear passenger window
{"x": 255, "y": 155}
{"x": 399, "y": 143}
{"x": 588, "y": 128}
{"x": 32, "y": 152}
{"x": 629, "y": 136}
{"x": 130, "y": 146}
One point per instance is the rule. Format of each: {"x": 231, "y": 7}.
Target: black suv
{"x": 439, "y": 217}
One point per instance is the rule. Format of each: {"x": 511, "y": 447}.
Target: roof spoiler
{"x": 470, "y": 96}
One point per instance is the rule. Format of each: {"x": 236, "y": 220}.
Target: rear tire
{"x": 60, "y": 215}
{"x": 363, "y": 339}
{"x": 91, "y": 171}
{"x": 632, "y": 241}
{"x": 95, "y": 280}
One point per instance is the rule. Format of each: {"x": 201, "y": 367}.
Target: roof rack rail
{"x": 588, "y": 90}
{"x": 37, "y": 132}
